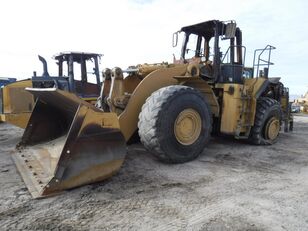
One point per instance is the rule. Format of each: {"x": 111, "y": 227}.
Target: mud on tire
{"x": 158, "y": 129}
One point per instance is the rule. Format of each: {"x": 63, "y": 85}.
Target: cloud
{"x": 139, "y": 31}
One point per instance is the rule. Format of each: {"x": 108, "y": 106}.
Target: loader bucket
{"x": 67, "y": 143}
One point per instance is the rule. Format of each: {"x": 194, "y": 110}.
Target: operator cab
{"x": 199, "y": 39}
{"x": 74, "y": 76}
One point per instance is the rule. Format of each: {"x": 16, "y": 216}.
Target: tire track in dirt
{"x": 231, "y": 186}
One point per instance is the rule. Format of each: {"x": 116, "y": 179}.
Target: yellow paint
{"x": 231, "y": 107}
{"x": 16, "y": 99}
{"x": 94, "y": 174}
{"x": 155, "y": 80}
{"x": 253, "y": 86}
{"x": 204, "y": 88}
{"x": 272, "y": 128}
{"x": 187, "y": 126}
{"x": 19, "y": 120}
{"x": 17, "y": 103}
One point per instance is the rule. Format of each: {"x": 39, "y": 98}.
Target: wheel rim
{"x": 272, "y": 128}
{"x": 187, "y": 126}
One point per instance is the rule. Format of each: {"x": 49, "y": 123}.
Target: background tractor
{"x": 5, "y": 81}
{"x": 16, "y": 104}
{"x": 174, "y": 108}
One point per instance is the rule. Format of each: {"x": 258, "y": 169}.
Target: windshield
{"x": 194, "y": 46}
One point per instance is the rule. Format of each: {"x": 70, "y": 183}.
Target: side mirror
{"x": 175, "y": 38}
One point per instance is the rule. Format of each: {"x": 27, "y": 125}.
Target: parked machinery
{"x": 17, "y": 104}
{"x": 5, "y": 81}
{"x": 300, "y": 104}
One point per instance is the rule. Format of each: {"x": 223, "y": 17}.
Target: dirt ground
{"x": 231, "y": 186}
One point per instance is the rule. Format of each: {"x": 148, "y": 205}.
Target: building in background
{"x": 302, "y": 103}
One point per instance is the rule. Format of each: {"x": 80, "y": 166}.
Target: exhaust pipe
{"x": 45, "y": 69}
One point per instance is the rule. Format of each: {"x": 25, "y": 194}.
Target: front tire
{"x": 175, "y": 124}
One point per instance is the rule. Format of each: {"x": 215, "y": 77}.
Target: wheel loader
{"x": 174, "y": 108}
{"x": 16, "y": 104}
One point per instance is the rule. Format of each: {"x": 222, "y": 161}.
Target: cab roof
{"x": 64, "y": 56}
{"x": 205, "y": 29}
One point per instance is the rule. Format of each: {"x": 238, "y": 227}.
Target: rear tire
{"x": 267, "y": 122}
{"x": 175, "y": 124}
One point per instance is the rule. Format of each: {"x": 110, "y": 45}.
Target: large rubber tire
{"x": 268, "y": 111}
{"x": 157, "y": 123}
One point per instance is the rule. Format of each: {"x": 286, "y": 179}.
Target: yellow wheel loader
{"x": 16, "y": 104}
{"x": 175, "y": 108}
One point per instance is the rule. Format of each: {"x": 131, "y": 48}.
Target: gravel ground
{"x": 231, "y": 186}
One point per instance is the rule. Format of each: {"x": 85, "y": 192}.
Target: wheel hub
{"x": 187, "y": 126}
{"x": 272, "y": 128}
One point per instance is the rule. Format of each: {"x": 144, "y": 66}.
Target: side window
{"x": 91, "y": 78}
{"x": 177, "y": 49}
{"x": 64, "y": 69}
{"x": 191, "y": 46}
{"x": 195, "y": 47}
{"x": 201, "y": 51}
{"x": 211, "y": 49}
{"x": 90, "y": 71}
{"x": 77, "y": 71}
{"x": 225, "y": 51}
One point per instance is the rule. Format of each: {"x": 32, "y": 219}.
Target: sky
{"x": 131, "y": 32}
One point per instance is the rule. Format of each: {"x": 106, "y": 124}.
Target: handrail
{"x": 265, "y": 62}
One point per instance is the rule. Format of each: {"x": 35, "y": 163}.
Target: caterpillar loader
{"x": 16, "y": 104}
{"x": 174, "y": 108}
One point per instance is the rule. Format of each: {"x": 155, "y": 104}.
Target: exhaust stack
{"x": 45, "y": 69}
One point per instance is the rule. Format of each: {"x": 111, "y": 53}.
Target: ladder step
{"x": 241, "y": 137}
{"x": 239, "y": 126}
